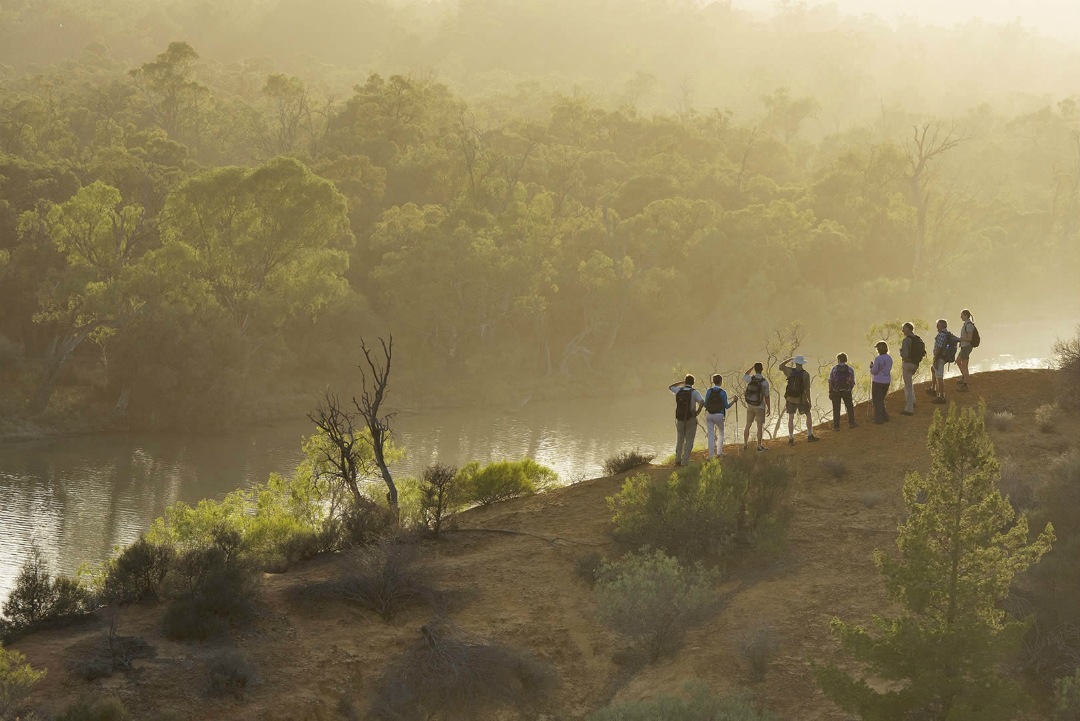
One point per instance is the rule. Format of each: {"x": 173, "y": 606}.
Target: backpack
{"x": 684, "y": 404}
{"x": 714, "y": 401}
{"x": 794, "y": 390}
{"x": 975, "y": 339}
{"x": 918, "y": 350}
{"x": 753, "y": 392}
{"x": 845, "y": 379}
{"x": 948, "y": 353}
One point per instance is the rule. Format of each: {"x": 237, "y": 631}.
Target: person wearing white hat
{"x": 797, "y": 396}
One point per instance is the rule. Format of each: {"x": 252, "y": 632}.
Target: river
{"x": 79, "y": 497}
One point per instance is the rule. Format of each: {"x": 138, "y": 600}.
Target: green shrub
{"x": 439, "y": 497}
{"x": 210, "y": 588}
{"x": 229, "y": 672}
{"x": 1067, "y": 698}
{"x": 699, "y": 704}
{"x": 17, "y": 679}
{"x": 503, "y": 480}
{"x": 1046, "y": 418}
{"x": 707, "y": 509}
{"x": 834, "y": 467}
{"x": 444, "y": 672}
{"x": 653, "y": 600}
{"x": 137, "y": 573}
{"x": 626, "y": 461}
{"x": 102, "y": 709}
{"x": 386, "y": 578}
{"x": 1000, "y": 421}
{"x": 39, "y": 599}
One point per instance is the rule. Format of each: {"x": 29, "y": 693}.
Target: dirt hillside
{"x": 526, "y": 591}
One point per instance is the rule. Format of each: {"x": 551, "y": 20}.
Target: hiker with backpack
{"x": 841, "y": 385}
{"x": 945, "y": 344}
{"x": 969, "y": 338}
{"x": 797, "y": 397}
{"x": 912, "y": 351}
{"x": 756, "y": 398}
{"x": 881, "y": 377}
{"x": 716, "y": 406}
{"x": 688, "y": 403}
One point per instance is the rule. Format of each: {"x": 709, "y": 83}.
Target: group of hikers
{"x": 757, "y": 392}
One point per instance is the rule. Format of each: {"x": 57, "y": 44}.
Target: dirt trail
{"x": 526, "y": 591}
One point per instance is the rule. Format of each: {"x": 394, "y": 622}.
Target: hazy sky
{"x": 1060, "y": 18}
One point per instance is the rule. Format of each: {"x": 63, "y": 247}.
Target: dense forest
{"x": 204, "y": 207}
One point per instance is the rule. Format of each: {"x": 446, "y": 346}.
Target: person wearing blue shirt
{"x": 881, "y": 375}
{"x": 716, "y": 405}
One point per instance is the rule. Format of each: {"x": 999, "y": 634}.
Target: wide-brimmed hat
{"x": 799, "y": 360}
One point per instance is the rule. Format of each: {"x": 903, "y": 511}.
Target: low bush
{"x": 1046, "y": 418}
{"x": 17, "y": 680}
{"x": 1052, "y": 587}
{"x": 210, "y": 588}
{"x": 40, "y": 599}
{"x": 871, "y": 497}
{"x": 1014, "y": 484}
{"x": 229, "y": 672}
{"x": 386, "y": 578}
{"x": 444, "y": 672}
{"x": 707, "y": 509}
{"x": 1067, "y": 697}
{"x": 1000, "y": 420}
{"x": 834, "y": 467}
{"x": 502, "y": 480}
{"x": 758, "y": 647}
{"x": 1067, "y": 362}
{"x": 439, "y": 496}
{"x": 698, "y": 704}
{"x": 588, "y": 565}
{"x": 101, "y": 709}
{"x": 626, "y": 461}
{"x": 653, "y": 600}
{"x": 137, "y": 573}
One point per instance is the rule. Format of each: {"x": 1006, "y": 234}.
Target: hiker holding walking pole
{"x": 716, "y": 406}
{"x": 688, "y": 403}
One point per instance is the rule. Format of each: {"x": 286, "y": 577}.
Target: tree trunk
{"x": 60, "y": 349}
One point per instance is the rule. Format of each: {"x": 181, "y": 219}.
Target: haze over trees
{"x": 203, "y": 210}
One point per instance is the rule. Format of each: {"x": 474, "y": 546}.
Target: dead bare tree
{"x": 341, "y": 453}
{"x": 926, "y": 144}
{"x": 375, "y": 379}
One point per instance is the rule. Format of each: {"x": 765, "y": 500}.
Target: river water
{"x": 79, "y": 497}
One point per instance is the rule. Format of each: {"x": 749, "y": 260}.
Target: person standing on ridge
{"x": 969, "y": 338}
{"x": 716, "y": 405}
{"x": 944, "y": 352}
{"x": 688, "y": 403}
{"x": 841, "y": 384}
{"x": 881, "y": 375}
{"x": 757, "y": 401}
{"x": 912, "y": 351}
{"x": 797, "y": 397}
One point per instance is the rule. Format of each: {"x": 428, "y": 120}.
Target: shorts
{"x": 939, "y": 368}
{"x": 965, "y": 353}
{"x": 802, "y": 407}
{"x": 755, "y": 413}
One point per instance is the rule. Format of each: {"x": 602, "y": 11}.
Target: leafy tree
{"x": 17, "y": 679}
{"x": 959, "y": 549}
{"x": 99, "y": 239}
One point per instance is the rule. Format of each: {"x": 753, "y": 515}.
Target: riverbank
{"x": 314, "y": 655}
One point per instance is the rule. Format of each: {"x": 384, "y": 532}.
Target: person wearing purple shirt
{"x": 881, "y": 375}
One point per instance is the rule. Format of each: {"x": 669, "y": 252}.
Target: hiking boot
{"x": 853, "y": 424}
{"x": 791, "y": 441}
{"x": 962, "y": 387}
{"x": 762, "y": 448}
{"x": 836, "y": 427}
{"x": 812, "y": 439}
{"x": 907, "y": 413}
{"x": 940, "y": 400}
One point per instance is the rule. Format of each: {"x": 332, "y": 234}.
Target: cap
{"x": 799, "y": 360}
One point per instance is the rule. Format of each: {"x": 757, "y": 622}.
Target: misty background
{"x": 205, "y": 206}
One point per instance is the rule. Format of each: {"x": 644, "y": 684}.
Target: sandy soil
{"x": 310, "y": 653}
